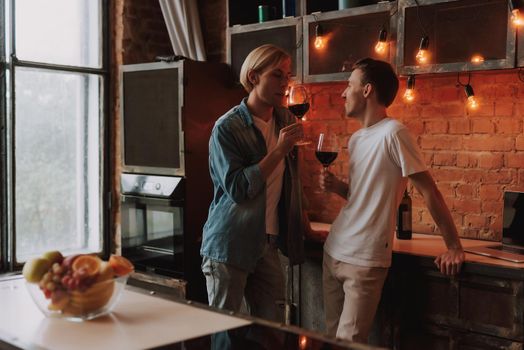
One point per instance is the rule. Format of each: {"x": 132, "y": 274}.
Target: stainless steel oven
{"x": 153, "y": 223}
{"x": 168, "y": 112}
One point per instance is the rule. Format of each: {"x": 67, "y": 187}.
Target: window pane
{"x": 57, "y": 162}
{"x": 59, "y": 31}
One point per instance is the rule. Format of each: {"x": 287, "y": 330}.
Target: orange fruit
{"x": 88, "y": 264}
{"x": 121, "y": 266}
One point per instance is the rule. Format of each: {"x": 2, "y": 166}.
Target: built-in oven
{"x": 153, "y": 223}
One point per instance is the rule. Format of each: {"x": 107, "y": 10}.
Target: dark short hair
{"x": 381, "y": 75}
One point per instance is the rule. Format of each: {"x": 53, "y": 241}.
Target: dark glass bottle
{"x": 404, "y": 218}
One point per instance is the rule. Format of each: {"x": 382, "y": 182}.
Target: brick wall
{"x": 473, "y": 156}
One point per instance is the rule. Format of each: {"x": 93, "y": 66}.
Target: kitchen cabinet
{"x": 350, "y": 34}
{"x": 456, "y": 30}
{"x": 285, "y": 33}
{"x": 482, "y": 308}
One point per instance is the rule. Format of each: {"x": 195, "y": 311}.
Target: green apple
{"x": 35, "y": 268}
{"x": 53, "y": 256}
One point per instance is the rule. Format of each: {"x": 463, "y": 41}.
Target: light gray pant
{"x": 351, "y": 297}
{"x": 263, "y": 289}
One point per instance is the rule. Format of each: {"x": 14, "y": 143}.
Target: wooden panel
{"x": 457, "y": 30}
{"x": 502, "y": 310}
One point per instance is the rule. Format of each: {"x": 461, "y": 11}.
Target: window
{"x": 55, "y": 90}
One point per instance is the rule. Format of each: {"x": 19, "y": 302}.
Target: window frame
{"x": 7, "y": 125}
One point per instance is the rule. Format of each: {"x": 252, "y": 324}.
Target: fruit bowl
{"x": 78, "y": 287}
{"x": 95, "y": 301}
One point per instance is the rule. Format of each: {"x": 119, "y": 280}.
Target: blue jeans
{"x": 263, "y": 289}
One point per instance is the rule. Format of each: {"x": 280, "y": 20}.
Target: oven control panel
{"x": 149, "y": 185}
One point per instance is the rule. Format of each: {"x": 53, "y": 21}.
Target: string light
{"x": 320, "y": 40}
{"x": 409, "y": 94}
{"x": 423, "y": 54}
{"x": 477, "y": 59}
{"x": 516, "y": 15}
{"x": 382, "y": 43}
{"x": 472, "y": 101}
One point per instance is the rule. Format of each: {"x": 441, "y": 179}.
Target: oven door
{"x": 153, "y": 234}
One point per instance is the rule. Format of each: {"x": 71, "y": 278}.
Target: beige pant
{"x": 351, "y": 297}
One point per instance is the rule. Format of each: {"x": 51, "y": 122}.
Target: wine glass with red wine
{"x": 327, "y": 149}
{"x": 298, "y": 104}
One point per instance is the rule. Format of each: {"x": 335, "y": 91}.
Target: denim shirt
{"x": 235, "y": 230}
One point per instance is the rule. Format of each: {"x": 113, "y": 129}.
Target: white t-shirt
{"x": 380, "y": 159}
{"x": 275, "y": 179}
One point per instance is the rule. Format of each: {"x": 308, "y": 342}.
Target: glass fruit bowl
{"x": 79, "y": 305}
{"x": 77, "y": 287}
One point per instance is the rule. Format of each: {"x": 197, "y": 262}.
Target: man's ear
{"x": 367, "y": 89}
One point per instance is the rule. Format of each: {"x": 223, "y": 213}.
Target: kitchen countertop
{"x": 433, "y": 245}
{"x": 140, "y": 321}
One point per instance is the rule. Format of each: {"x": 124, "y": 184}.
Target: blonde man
{"x": 257, "y": 195}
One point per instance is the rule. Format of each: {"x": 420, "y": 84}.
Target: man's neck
{"x": 259, "y": 108}
{"x": 373, "y": 116}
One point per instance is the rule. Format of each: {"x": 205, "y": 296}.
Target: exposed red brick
{"x": 436, "y": 126}
{"x": 490, "y": 192}
{"x": 482, "y": 126}
{"x": 519, "y": 143}
{"x": 488, "y": 143}
{"x": 444, "y": 158}
{"x": 466, "y": 190}
{"x": 467, "y": 160}
{"x": 475, "y": 221}
{"x": 515, "y": 160}
{"x": 441, "y": 142}
{"x": 491, "y": 160}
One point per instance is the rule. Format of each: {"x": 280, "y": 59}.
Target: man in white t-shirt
{"x": 382, "y": 156}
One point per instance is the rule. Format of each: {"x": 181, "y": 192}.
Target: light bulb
{"x": 320, "y": 42}
{"x": 477, "y": 59}
{"x": 472, "y": 103}
{"x": 516, "y": 18}
{"x": 380, "y": 47}
{"x": 409, "y": 95}
{"x": 422, "y": 56}
{"x": 382, "y": 43}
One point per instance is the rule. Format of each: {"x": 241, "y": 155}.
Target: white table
{"x": 138, "y": 321}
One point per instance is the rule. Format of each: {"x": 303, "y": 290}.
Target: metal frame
{"x": 390, "y": 7}
{"x": 508, "y": 62}
{"x": 285, "y": 22}
{"x": 8, "y": 120}
{"x": 520, "y": 46}
{"x": 179, "y": 65}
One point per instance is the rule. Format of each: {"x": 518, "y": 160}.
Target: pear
{"x": 35, "y": 268}
{"x": 53, "y": 256}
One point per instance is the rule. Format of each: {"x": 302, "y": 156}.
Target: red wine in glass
{"x": 299, "y": 109}
{"x": 327, "y": 149}
{"x": 298, "y": 104}
{"x": 326, "y": 158}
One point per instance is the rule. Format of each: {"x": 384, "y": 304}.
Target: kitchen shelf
{"x": 457, "y": 30}
{"x": 285, "y": 33}
{"x": 351, "y": 34}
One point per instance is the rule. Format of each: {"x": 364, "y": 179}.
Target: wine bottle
{"x": 404, "y": 217}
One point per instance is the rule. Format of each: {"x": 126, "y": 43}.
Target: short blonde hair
{"x": 260, "y": 59}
